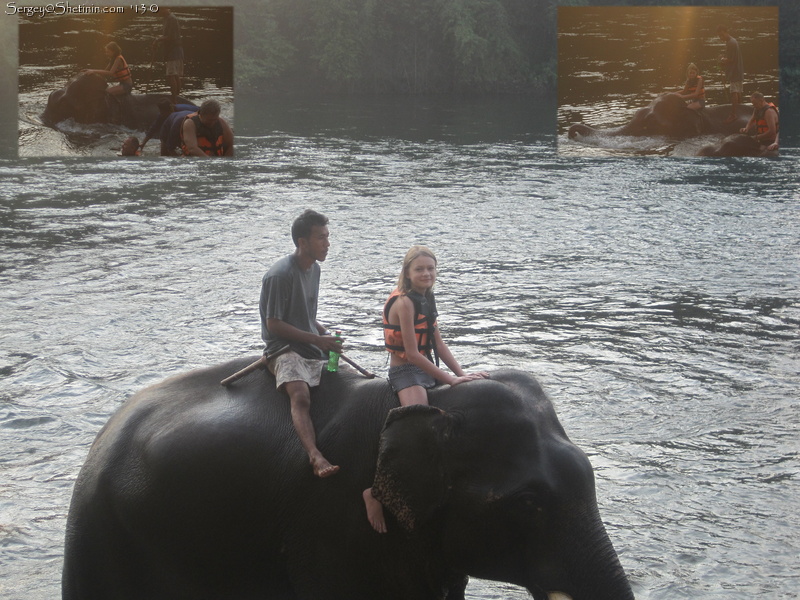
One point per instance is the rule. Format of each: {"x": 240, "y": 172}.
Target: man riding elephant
{"x": 763, "y": 125}
{"x": 296, "y": 343}
{"x": 758, "y": 138}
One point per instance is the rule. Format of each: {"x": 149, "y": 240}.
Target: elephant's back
{"x": 189, "y": 426}
{"x": 189, "y": 438}
{"x": 192, "y": 413}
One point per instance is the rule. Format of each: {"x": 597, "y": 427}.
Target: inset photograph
{"x": 138, "y": 80}
{"x": 668, "y": 81}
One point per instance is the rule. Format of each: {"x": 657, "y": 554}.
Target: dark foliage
{"x": 399, "y": 46}
{"x": 429, "y": 46}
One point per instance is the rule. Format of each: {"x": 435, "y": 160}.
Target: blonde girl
{"x": 693, "y": 91}
{"x": 415, "y": 345}
{"x": 117, "y": 70}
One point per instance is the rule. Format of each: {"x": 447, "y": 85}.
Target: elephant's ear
{"x": 410, "y": 480}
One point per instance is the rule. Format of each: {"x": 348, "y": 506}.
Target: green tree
{"x": 262, "y": 52}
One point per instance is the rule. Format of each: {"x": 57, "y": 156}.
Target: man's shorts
{"x": 737, "y": 87}
{"x": 175, "y": 67}
{"x": 290, "y": 366}
{"x": 407, "y": 375}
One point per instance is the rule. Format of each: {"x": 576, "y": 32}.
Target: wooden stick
{"x": 364, "y": 372}
{"x": 261, "y": 362}
{"x": 150, "y": 70}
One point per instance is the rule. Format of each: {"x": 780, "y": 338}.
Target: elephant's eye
{"x": 530, "y": 502}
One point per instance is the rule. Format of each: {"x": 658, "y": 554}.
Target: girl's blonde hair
{"x": 403, "y": 282}
{"x": 115, "y": 49}
{"x": 690, "y": 67}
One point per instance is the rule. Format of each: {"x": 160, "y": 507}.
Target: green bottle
{"x": 333, "y": 357}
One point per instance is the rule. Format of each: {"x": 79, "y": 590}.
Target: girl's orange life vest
{"x": 123, "y": 74}
{"x": 424, "y": 325}
{"x": 761, "y": 118}
{"x": 209, "y": 139}
{"x": 691, "y": 85}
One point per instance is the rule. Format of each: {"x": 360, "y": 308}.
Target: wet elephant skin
{"x": 668, "y": 116}
{"x": 84, "y": 99}
{"x": 193, "y": 490}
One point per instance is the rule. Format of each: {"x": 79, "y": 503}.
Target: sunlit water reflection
{"x": 615, "y": 60}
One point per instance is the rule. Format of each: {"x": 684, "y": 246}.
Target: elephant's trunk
{"x": 580, "y": 130}
{"x": 597, "y": 572}
{"x": 589, "y": 566}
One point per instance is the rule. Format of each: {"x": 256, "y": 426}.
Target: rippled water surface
{"x": 614, "y": 60}
{"x": 656, "y": 300}
{"x": 80, "y": 39}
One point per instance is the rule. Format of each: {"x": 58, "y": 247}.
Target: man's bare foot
{"x": 322, "y": 468}
{"x": 374, "y": 511}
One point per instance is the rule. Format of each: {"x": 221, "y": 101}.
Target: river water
{"x": 613, "y": 61}
{"x": 53, "y": 49}
{"x": 657, "y": 300}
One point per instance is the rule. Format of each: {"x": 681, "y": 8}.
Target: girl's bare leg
{"x": 416, "y": 394}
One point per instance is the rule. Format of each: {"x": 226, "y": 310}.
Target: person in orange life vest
{"x": 413, "y": 339}
{"x": 693, "y": 91}
{"x": 205, "y": 133}
{"x": 117, "y": 70}
{"x": 763, "y": 125}
{"x": 130, "y": 147}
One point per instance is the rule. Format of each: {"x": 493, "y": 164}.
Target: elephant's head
{"x": 83, "y": 99}
{"x": 491, "y": 476}
{"x": 666, "y": 115}
{"x": 738, "y": 144}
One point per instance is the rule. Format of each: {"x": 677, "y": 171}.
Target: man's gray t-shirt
{"x": 290, "y": 294}
{"x": 734, "y": 70}
{"x": 173, "y": 48}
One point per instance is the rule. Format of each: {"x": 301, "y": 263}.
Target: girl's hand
{"x": 469, "y": 377}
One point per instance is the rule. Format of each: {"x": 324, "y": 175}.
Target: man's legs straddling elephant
{"x": 300, "y": 399}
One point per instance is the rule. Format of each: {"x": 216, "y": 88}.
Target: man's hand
{"x": 328, "y": 343}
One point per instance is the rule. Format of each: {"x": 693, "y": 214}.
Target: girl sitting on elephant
{"x": 117, "y": 70}
{"x": 415, "y": 345}
{"x": 693, "y": 91}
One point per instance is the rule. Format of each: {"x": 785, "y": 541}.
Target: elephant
{"x": 197, "y": 491}
{"x": 668, "y": 115}
{"x": 738, "y": 144}
{"x": 84, "y": 99}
